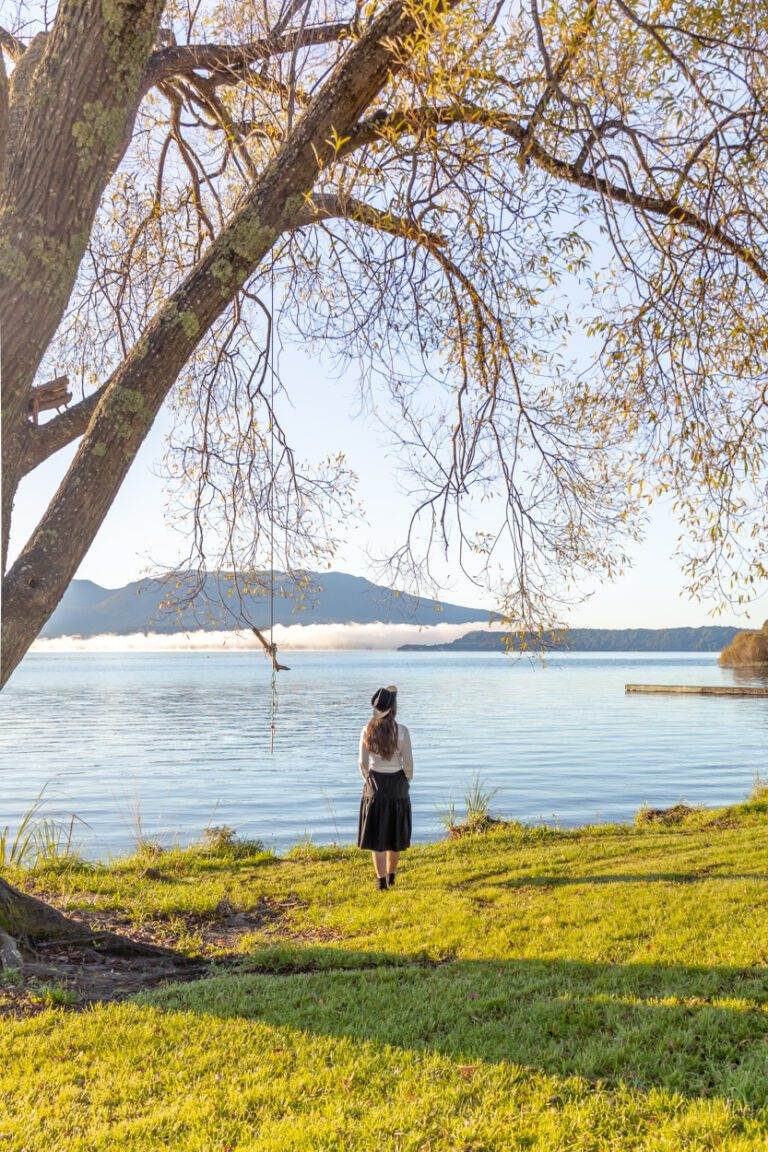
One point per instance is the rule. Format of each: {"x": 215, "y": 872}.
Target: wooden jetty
{"x": 697, "y": 689}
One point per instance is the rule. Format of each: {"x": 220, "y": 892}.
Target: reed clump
{"x": 39, "y": 840}
{"x": 477, "y": 818}
{"x": 747, "y": 649}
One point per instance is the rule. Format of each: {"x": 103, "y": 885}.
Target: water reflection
{"x": 755, "y": 674}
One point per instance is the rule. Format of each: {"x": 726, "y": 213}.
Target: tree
{"x": 441, "y": 191}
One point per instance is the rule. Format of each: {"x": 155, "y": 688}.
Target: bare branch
{"x": 386, "y": 125}
{"x": 229, "y": 63}
{"x": 556, "y": 75}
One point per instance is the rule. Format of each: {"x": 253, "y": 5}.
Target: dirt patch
{"x": 18, "y": 1003}
{"x": 94, "y": 969}
{"x": 75, "y": 976}
{"x": 223, "y": 930}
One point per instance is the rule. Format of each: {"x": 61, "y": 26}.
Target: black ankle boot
{"x": 381, "y": 882}
{"x": 391, "y": 879}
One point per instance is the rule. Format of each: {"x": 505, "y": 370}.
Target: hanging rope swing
{"x": 271, "y": 650}
{"x": 269, "y": 646}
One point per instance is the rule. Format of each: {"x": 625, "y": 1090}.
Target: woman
{"x": 386, "y": 765}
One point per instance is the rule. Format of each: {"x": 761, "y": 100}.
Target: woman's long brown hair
{"x": 381, "y": 734}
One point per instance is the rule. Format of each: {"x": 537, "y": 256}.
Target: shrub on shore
{"x": 666, "y": 817}
{"x": 747, "y": 649}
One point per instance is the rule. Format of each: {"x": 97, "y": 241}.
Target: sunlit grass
{"x": 524, "y": 988}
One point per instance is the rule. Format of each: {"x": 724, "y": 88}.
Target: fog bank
{"x": 296, "y": 637}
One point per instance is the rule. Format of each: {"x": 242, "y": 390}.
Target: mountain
{"x": 332, "y": 598}
{"x": 707, "y": 639}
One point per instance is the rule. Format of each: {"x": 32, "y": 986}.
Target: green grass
{"x": 52, "y": 994}
{"x": 530, "y": 989}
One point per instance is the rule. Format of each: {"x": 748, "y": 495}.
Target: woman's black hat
{"x": 383, "y": 699}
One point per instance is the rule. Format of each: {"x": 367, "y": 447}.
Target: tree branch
{"x": 227, "y": 63}
{"x": 11, "y": 45}
{"x": 63, "y": 429}
{"x": 134, "y": 394}
{"x": 383, "y": 126}
{"x": 331, "y": 206}
{"x": 556, "y": 76}
{"x": 55, "y": 434}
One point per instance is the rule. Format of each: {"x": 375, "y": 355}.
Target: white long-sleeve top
{"x": 403, "y": 757}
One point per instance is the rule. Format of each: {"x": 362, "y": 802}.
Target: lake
{"x": 180, "y": 740}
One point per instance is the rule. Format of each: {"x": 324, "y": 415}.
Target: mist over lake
{"x": 181, "y": 740}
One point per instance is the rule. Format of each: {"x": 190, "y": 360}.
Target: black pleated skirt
{"x": 385, "y": 813}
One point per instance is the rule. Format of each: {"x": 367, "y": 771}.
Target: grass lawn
{"x": 521, "y": 989}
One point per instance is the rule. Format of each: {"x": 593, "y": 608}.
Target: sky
{"x": 135, "y": 539}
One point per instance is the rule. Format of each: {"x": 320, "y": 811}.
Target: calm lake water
{"x": 183, "y": 739}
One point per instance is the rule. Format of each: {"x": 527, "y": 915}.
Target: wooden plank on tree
{"x": 52, "y": 394}
{"x": 697, "y": 689}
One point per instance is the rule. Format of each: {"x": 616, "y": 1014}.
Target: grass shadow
{"x": 695, "y": 1032}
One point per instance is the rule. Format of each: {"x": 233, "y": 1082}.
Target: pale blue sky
{"x": 135, "y": 534}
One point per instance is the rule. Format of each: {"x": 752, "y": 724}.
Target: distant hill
{"x": 707, "y": 639}
{"x": 333, "y": 598}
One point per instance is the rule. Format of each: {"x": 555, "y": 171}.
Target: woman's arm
{"x": 364, "y": 758}
{"x": 406, "y": 752}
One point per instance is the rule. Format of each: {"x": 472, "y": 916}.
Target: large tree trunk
{"x": 134, "y": 395}
{"x": 73, "y": 100}
{"x": 12, "y": 440}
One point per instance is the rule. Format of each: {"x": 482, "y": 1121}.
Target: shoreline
{"x": 486, "y": 822}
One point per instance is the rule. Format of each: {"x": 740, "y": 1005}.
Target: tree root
{"x": 10, "y": 955}
{"x": 113, "y": 944}
{"x": 30, "y": 923}
{"x": 24, "y": 917}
